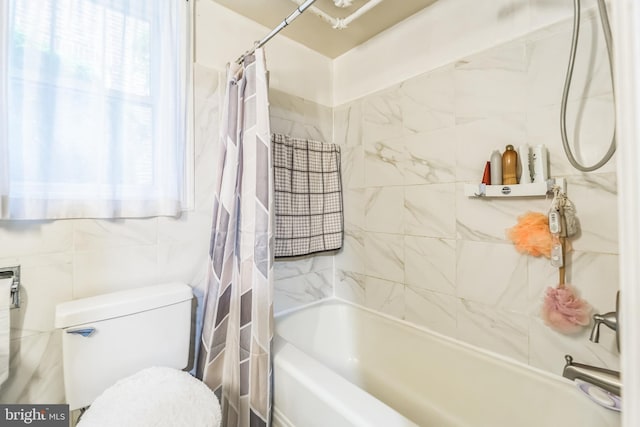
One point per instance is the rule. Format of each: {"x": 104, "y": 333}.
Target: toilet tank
{"x": 108, "y": 337}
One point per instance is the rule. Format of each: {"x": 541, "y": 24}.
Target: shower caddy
{"x": 536, "y": 189}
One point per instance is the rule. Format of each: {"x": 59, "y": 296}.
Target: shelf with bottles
{"x": 536, "y": 189}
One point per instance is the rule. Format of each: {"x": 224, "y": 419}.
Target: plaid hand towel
{"x": 308, "y": 196}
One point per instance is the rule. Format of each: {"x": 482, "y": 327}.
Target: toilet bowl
{"x": 123, "y": 355}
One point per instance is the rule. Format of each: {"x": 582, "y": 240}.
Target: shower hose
{"x": 606, "y": 28}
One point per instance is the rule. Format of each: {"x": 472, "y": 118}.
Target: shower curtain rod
{"x": 288, "y": 20}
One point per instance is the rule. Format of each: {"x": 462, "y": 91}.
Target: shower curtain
{"x": 235, "y": 354}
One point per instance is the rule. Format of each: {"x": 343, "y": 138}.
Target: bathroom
{"x": 416, "y": 110}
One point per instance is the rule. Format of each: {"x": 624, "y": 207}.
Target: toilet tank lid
{"x": 121, "y": 303}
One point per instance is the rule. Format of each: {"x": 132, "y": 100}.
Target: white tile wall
{"x": 450, "y": 267}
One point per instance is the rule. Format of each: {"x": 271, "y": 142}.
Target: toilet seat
{"x": 162, "y": 397}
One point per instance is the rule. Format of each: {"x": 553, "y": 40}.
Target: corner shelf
{"x": 539, "y": 189}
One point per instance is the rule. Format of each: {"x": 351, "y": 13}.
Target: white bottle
{"x": 540, "y": 168}
{"x": 496, "y": 168}
{"x": 524, "y": 161}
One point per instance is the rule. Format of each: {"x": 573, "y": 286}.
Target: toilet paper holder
{"x": 13, "y": 272}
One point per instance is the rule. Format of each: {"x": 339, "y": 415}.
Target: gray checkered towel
{"x": 308, "y": 196}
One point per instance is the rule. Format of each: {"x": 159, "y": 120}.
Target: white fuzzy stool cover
{"x": 159, "y": 397}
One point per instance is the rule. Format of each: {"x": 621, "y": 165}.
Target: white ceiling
{"x": 318, "y": 35}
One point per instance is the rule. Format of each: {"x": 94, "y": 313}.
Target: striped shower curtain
{"x": 235, "y": 354}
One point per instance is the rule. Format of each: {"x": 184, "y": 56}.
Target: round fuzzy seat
{"x": 160, "y": 397}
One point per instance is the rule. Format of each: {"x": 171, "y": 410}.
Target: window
{"x": 95, "y": 108}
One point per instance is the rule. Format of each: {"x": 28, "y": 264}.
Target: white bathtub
{"x": 337, "y": 365}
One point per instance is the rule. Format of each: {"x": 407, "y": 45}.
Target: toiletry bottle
{"x": 496, "y": 168}
{"x": 524, "y": 160}
{"x": 509, "y": 165}
{"x": 486, "y": 175}
{"x": 540, "y": 168}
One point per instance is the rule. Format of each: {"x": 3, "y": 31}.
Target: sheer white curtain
{"x": 4, "y": 152}
{"x": 95, "y": 109}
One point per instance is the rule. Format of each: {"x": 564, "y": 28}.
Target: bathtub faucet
{"x": 610, "y": 320}
{"x": 606, "y": 379}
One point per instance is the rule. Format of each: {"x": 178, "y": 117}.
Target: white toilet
{"x": 109, "y": 341}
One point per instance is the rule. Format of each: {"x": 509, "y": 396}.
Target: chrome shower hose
{"x": 606, "y": 28}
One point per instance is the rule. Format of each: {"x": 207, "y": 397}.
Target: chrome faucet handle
{"x": 610, "y": 319}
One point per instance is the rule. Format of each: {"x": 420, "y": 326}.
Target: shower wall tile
{"x": 319, "y": 121}
{"x": 427, "y": 101}
{"x": 548, "y": 58}
{"x": 354, "y": 209}
{"x": 384, "y": 209}
{"x": 384, "y": 296}
{"x": 296, "y": 291}
{"x": 430, "y": 264}
{"x": 596, "y": 276}
{"x": 352, "y": 256}
{"x": 431, "y": 157}
{"x": 347, "y": 125}
{"x": 283, "y": 126}
{"x": 588, "y": 143}
{"x": 286, "y": 268}
{"x": 283, "y": 105}
{"x": 352, "y": 166}
{"x": 383, "y": 162}
{"x": 492, "y": 274}
{"x": 382, "y": 116}
{"x": 429, "y": 210}
{"x": 494, "y": 329}
{"x": 433, "y": 310}
{"x": 384, "y": 256}
{"x": 542, "y": 12}
{"x": 300, "y": 118}
{"x": 491, "y": 84}
{"x": 350, "y": 286}
{"x": 598, "y": 221}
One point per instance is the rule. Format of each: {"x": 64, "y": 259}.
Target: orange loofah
{"x": 531, "y": 235}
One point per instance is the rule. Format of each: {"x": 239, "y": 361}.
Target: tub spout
{"x": 606, "y": 379}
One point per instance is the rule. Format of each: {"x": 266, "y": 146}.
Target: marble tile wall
{"x": 416, "y": 248}
{"x": 306, "y": 279}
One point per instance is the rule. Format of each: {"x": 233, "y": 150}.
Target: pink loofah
{"x": 564, "y": 311}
